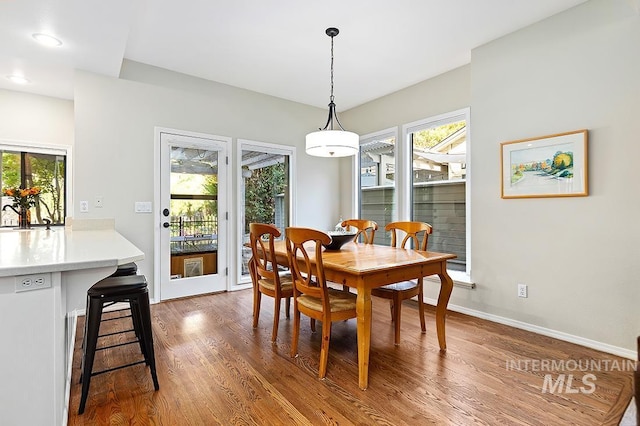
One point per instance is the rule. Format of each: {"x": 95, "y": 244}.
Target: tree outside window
{"x": 22, "y": 169}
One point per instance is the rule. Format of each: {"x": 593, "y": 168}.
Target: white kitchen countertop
{"x": 24, "y": 252}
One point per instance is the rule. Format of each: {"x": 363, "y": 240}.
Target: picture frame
{"x": 546, "y": 166}
{"x": 193, "y": 267}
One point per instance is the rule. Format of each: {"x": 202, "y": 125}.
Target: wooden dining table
{"x": 366, "y": 266}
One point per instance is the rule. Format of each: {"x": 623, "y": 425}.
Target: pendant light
{"x": 332, "y": 141}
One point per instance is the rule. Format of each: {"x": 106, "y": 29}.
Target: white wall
{"x": 33, "y": 118}
{"x": 115, "y": 120}
{"x": 579, "y": 256}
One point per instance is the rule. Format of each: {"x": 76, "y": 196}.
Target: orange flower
{"x": 23, "y": 198}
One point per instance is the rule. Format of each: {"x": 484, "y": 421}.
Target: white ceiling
{"x": 276, "y": 47}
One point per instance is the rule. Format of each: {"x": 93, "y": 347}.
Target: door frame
{"x": 243, "y": 282}
{"x": 157, "y": 203}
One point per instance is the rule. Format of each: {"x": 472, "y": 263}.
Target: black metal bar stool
{"x": 131, "y": 289}
{"x": 130, "y": 268}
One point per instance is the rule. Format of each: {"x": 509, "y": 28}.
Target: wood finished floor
{"x": 215, "y": 369}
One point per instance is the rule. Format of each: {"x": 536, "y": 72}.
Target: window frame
{"x": 406, "y": 169}
{"x": 48, "y": 149}
{"x": 403, "y": 165}
{"x": 391, "y": 132}
{"x": 244, "y": 281}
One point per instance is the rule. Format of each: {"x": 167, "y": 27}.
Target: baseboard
{"x": 604, "y": 347}
{"x": 72, "y": 323}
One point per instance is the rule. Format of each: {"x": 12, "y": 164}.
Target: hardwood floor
{"x": 214, "y": 368}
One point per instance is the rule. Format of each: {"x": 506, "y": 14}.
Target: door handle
{"x": 166, "y": 224}
{"x": 165, "y": 212}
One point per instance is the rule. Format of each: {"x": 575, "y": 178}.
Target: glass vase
{"x": 24, "y": 219}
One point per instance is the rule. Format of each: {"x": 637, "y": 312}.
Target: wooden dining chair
{"x": 365, "y": 228}
{"x": 265, "y": 276}
{"x": 311, "y": 295}
{"x": 418, "y": 232}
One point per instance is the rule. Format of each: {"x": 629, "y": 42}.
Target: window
{"x": 377, "y": 181}
{"x": 27, "y": 167}
{"x": 266, "y": 190}
{"x": 422, "y": 178}
{"x": 193, "y": 210}
{"x": 438, "y": 149}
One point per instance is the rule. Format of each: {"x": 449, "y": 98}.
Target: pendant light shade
{"x": 332, "y": 141}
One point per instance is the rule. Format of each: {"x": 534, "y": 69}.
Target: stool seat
{"x": 117, "y": 285}
{"x": 126, "y": 269}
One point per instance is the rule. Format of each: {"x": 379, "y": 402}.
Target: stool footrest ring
{"x": 116, "y": 332}
{"x": 117, "y": 345}
{"x": 117, "y": 368}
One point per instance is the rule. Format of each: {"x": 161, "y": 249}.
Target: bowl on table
{"x": 338, "y": 239}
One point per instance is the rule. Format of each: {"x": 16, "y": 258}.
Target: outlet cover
{"x": 84, "y": 206}
{"x": 32, "y": 282}
{"x": 523, "y": 290}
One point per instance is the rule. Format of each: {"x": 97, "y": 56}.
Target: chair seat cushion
{"x": 401, "y": 286}
{"x": 286, "y": 283}
{"x": 115, "y": 286}
{"x": 338, "y": 301}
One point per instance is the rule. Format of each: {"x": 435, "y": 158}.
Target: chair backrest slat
{"x": 366, "y": 228}
{"x": 418, "y": 232}
{"x": 265, "y": 264}
{"x": 308, "y": 277}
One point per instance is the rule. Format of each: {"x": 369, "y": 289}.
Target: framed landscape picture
{"x": 546, "y": 166}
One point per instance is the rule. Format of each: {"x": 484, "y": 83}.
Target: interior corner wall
{"x": 579, "y": 255}
{"x": 114, "y": 157}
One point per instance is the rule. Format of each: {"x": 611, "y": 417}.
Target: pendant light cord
{"x": 333, "y": 116}
{"x": 331, "y": 97}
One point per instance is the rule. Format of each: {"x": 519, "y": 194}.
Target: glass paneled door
{"x": 265, "y": 191}
{"x": 193, "y": 223}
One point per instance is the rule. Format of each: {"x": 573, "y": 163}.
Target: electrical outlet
{"x": 84, "y": 206}
{"x": 523, "y": 290}
{"x": 32, "y": 282}
{"x": 99, "y": 201}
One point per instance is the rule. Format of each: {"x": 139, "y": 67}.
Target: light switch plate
{"x": 143, "y": 207}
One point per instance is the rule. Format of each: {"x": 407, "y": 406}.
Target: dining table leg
{"x": 446, "y": 286}
{"x": 363, "y": 311}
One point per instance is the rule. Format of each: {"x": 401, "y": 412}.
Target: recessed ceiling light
{"x": 47, "y": 40}
{"x": 18, "y": 79}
